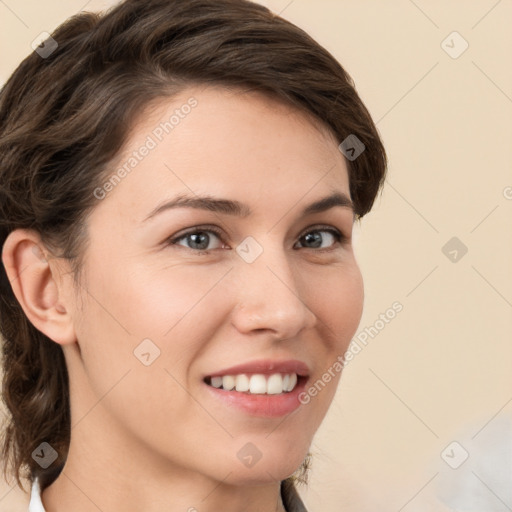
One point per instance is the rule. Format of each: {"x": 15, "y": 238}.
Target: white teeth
{"x": 275, "y": 384}
{"x": 293, "y": 381}
{"x": 228, "y": 382}
{"x": 257, "y": 384}
{"x": 216, "y": 382}
{"x": 242, "y": 383}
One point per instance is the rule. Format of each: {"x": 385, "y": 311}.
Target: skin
{"x": 151, "y": 437}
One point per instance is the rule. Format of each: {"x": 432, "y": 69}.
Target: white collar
{"x": 35, "y": 505}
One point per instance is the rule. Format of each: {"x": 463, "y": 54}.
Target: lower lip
{"x": 270, "y": 406}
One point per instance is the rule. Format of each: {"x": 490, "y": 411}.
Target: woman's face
{"x": 167, "y": 302}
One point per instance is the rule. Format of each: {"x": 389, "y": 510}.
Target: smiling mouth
{"x": 258, "y": 383}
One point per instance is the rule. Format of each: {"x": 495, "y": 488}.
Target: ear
{"x": 35, "y": 285}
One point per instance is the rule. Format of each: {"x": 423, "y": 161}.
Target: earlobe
{"x": 35, "y": 285}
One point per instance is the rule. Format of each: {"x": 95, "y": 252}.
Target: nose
{"x": 271, "y": 296}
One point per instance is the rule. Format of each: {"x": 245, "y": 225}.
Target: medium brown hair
{"x": 64, "y": 118}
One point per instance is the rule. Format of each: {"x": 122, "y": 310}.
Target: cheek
{"x": 161, "y": 303}
{"x": 122, "y": 306}
{"x": 338, "y": 304}
{"x": 172, "y": 308}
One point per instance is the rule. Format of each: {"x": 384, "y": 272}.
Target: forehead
{"x": 231, "y": 143}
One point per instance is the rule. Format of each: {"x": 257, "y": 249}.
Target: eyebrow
{"x": 235, "y": 208}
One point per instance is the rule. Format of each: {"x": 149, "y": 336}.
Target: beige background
{"x": 441, "y": 370}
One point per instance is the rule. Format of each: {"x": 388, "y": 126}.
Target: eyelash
{"x": 341, "y": 238}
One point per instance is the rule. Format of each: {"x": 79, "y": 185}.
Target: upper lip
{"x": 266, "y": 367}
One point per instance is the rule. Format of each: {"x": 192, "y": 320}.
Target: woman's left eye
{"x": 313, "y": 236}
{"x": 199, "y": 238}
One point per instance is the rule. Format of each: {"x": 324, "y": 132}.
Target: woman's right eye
{"x": 198, "y": 239}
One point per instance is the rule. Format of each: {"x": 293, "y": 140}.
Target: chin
{"x": 262, "y": 472}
